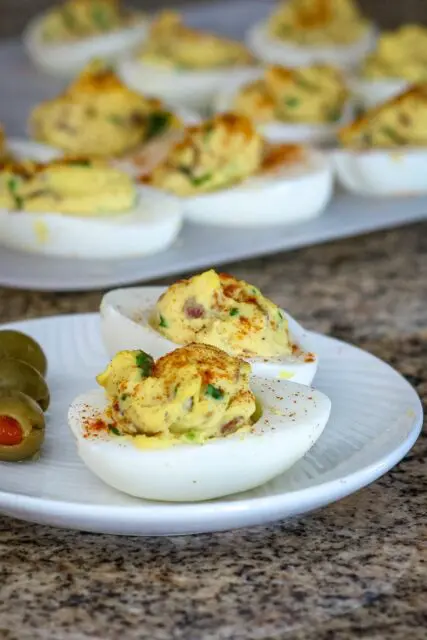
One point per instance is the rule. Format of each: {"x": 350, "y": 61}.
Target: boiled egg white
{"x": 150, "y": 227}
{"x": 293, "y": 418}
{"x": 294, "y": 192}
{"x": 193, "y": 89}
{"x": 273, "y": 50}
{"x": 279, "y": 131}
{"x": 382, "y": 172}
{"x": 125, "y": 324}
{"x": 371, "y": 93}
{"x": 68, "y": 58}
{"x": 23, "y": 149}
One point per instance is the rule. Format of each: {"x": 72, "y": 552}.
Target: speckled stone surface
{"x": 356, "y": 569}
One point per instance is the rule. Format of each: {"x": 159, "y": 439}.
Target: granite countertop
{"x": 356, "y": 569}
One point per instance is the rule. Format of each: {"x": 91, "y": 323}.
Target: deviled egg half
{"x": 215, "y": 309}
{"x": 98, "y": 115}
{"x": 65, "y": 38}
{"x": 79, "y": 207}
{"x": 299, "y": 104}
{"x": 399, "y": 60}
{"x": 385, "y": 150}
{"x": 184, "y": 66}
{"x": 192, "y": 426}
{"x": 303, "y": 32}
{"x": 225, "y": 173}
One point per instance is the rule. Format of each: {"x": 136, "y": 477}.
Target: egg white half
{"x": 67, "y": 59}
{"x": 23, "y": 149}
{"x": 381, "y": 172}
{"x": 125, "y": 324}
{"x": 370, "y": 93}
{"x": 278, "y": 131}
{"x": 273, "y": 50}
{"x": 297, "y": 192}
{"x": 188, "y": 88}
{"x": 150, "y": 227}
{"x": 294, "y": 417}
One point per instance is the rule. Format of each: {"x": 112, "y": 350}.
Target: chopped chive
{"x": 334, "y": 115}
{"x": 115, "y": 431}
{"x": 114, "y": 119}
{"x": 292, "y": 102}
{"x": 198, "y": 181}
{"x": 392, "y": 134}
{"x": 191, "y": 435}
{"x": 124, "y": 396}
{"x": 234, "y": 311}
{"x": 214, "y": 392}
{"x": 144, "y": 362}
{"x": 101, "y": 18}
{"x": 157, "y": 123}
{"x": 13, "y": 186}
{"x": 79, "y": 163}
{"x": 162, "y": 322}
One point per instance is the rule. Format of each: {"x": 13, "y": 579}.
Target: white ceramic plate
{"x": 376, "y": 418}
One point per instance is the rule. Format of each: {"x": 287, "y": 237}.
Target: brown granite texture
{"x": 356, "y": 569}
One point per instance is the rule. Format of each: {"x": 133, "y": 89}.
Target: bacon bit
{"x": 193, "y": 309}
{"x": 310, "y": 357}
{"x": 230, "y": 427}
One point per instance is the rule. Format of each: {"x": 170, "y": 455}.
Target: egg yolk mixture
{"x": 230, "y": 314}
{"x": 73, "y": 186}
{"x": 75, "y": 19}
{"x": 192, "y": 394}
{"x": 399, "y": 54}
{"x": 98, "y": 115}
{"x": 172, "y": 44}
{"x": 318, "y": 22}
{"x": 215, "y": 154}
{"x": 305, "y": 94}
{"x": 398, "y": 122}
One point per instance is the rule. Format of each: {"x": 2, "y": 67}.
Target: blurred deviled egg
{"x": 302, "y": 32}
{"x": 291, "y": 104}
{"x": 188, "y": 428}
{"x": 184, "y": 66}
{"x": 65, "y": 38}
{"x": 225, "y": 173}
{"x": 76, "y": 207}
{"x": 98, "y": 115}
{"x": 399, "y": 60}
{"x": 210, "y": 308}
{"x": 385, "y": 150}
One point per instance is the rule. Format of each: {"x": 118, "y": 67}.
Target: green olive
{"x": 21, "y": 376}
{"x": 22, "y": 426}
{"x": 14, "y": 344}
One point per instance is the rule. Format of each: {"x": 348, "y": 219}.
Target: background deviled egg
{"x": 186, "y": 427}
{"x": 76, "y": 207}
{"x": 65, "y": 38}
{"x": 98, "y": 115}
{"x": 385, "y": 150}
{"x": 223, "y": 171}
{"x": 304, "y": 104}
{"x": 303, "y": 32}
{"x": 183, "y": 66}
{"x": 399, "y": 59}
{"x": 212, "y": 308}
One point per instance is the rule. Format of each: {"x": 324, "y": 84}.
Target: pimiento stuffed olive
{"x": 21, "y": 376}
{"x": 14, "y": 344}
{"x": 22, "y": 426}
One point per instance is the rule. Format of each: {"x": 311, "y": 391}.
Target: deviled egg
{"x": 302, "y": 32}
{"x": 75, "y": 207}
{"x": 300, "y": 104}
{"x": 98, "y": 115}
{"x": 399, "y": 59}
{"x": 210, "y": 308}
{"x": 226, "y": 174}
{"x": 187, "y": 427}
{"x": 385, "y": 150}
{"x": 65, "y": 38}
{"x": 184, "y": 66}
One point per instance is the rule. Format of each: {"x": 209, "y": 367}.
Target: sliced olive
{"x": 21, "y": 376}
{"x": 14, "y": 344}
{"x": 21, "y": 426}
